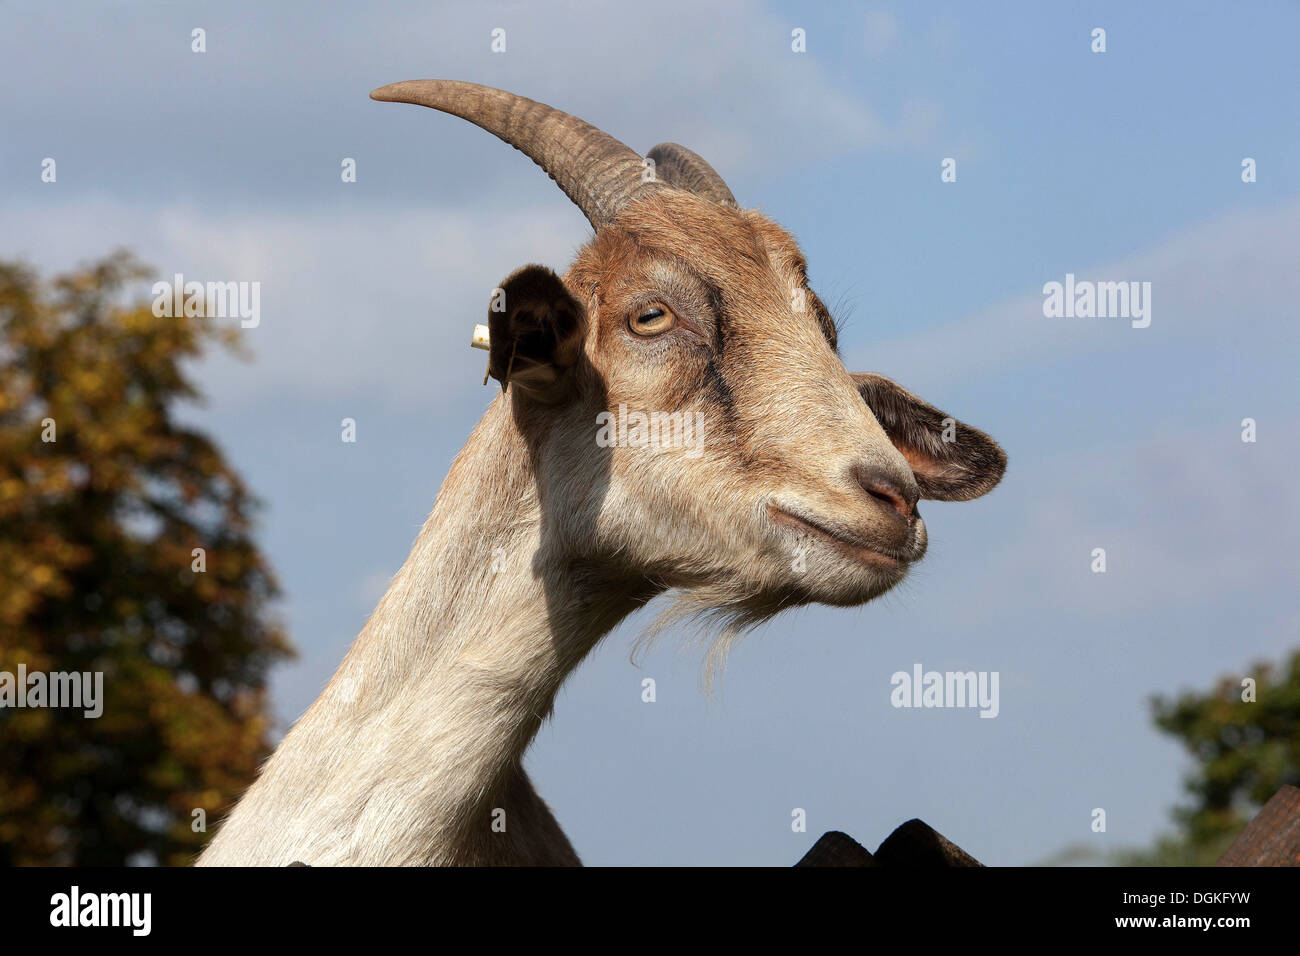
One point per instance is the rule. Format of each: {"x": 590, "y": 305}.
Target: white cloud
{"x": 374, "y": 294}
{"x": 720, "y": 78}
{"x": 1196, "y": 517}
{"x": 375, "y": 300}
{"x": 1238, "y": 268}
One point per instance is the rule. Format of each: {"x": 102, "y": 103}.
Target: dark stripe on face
{"x": 719, "y": 391}
{"x": 721, "y": 318}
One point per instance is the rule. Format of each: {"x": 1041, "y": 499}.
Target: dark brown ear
{"x": 535, "y": 330}
{"x": 951, "y": 461}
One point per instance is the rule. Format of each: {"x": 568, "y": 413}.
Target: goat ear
{"x": 535, "y": 332}
{"x": 951, "y": 461}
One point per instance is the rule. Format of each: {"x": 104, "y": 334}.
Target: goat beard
{"x": 714, "y": 615}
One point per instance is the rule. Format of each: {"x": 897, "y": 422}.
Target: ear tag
{"x": 481, "y": 340}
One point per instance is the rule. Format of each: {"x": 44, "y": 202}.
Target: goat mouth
{"x": 843, "y": 541}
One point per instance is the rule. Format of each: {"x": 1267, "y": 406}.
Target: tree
{"x": 126, "y": 550}
{"x": 1246, "y": 742}
{"x": 1246, "y": 750}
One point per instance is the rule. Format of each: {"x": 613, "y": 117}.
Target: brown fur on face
{"x": 796, "y": 493}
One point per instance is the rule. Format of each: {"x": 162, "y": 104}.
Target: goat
{"x": 803, "y": 489}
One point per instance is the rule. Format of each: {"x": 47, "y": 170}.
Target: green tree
{"x": 104, "y": 499}
{"x": 1245, "y": 751}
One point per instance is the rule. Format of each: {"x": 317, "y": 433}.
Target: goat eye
{"x": 652, "y": 321}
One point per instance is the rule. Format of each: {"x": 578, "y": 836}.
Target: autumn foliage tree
{"x": 126, "y": 549}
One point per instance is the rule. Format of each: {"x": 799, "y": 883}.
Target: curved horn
{"x": 594, "y": 169}
{"x": 686, "y": 169}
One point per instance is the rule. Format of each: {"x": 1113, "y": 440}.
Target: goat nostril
{"x": 888, "y": 492}
{"x": 888, "y": 498}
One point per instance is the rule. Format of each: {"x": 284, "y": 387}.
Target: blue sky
{"x": 1116, "y": 166}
